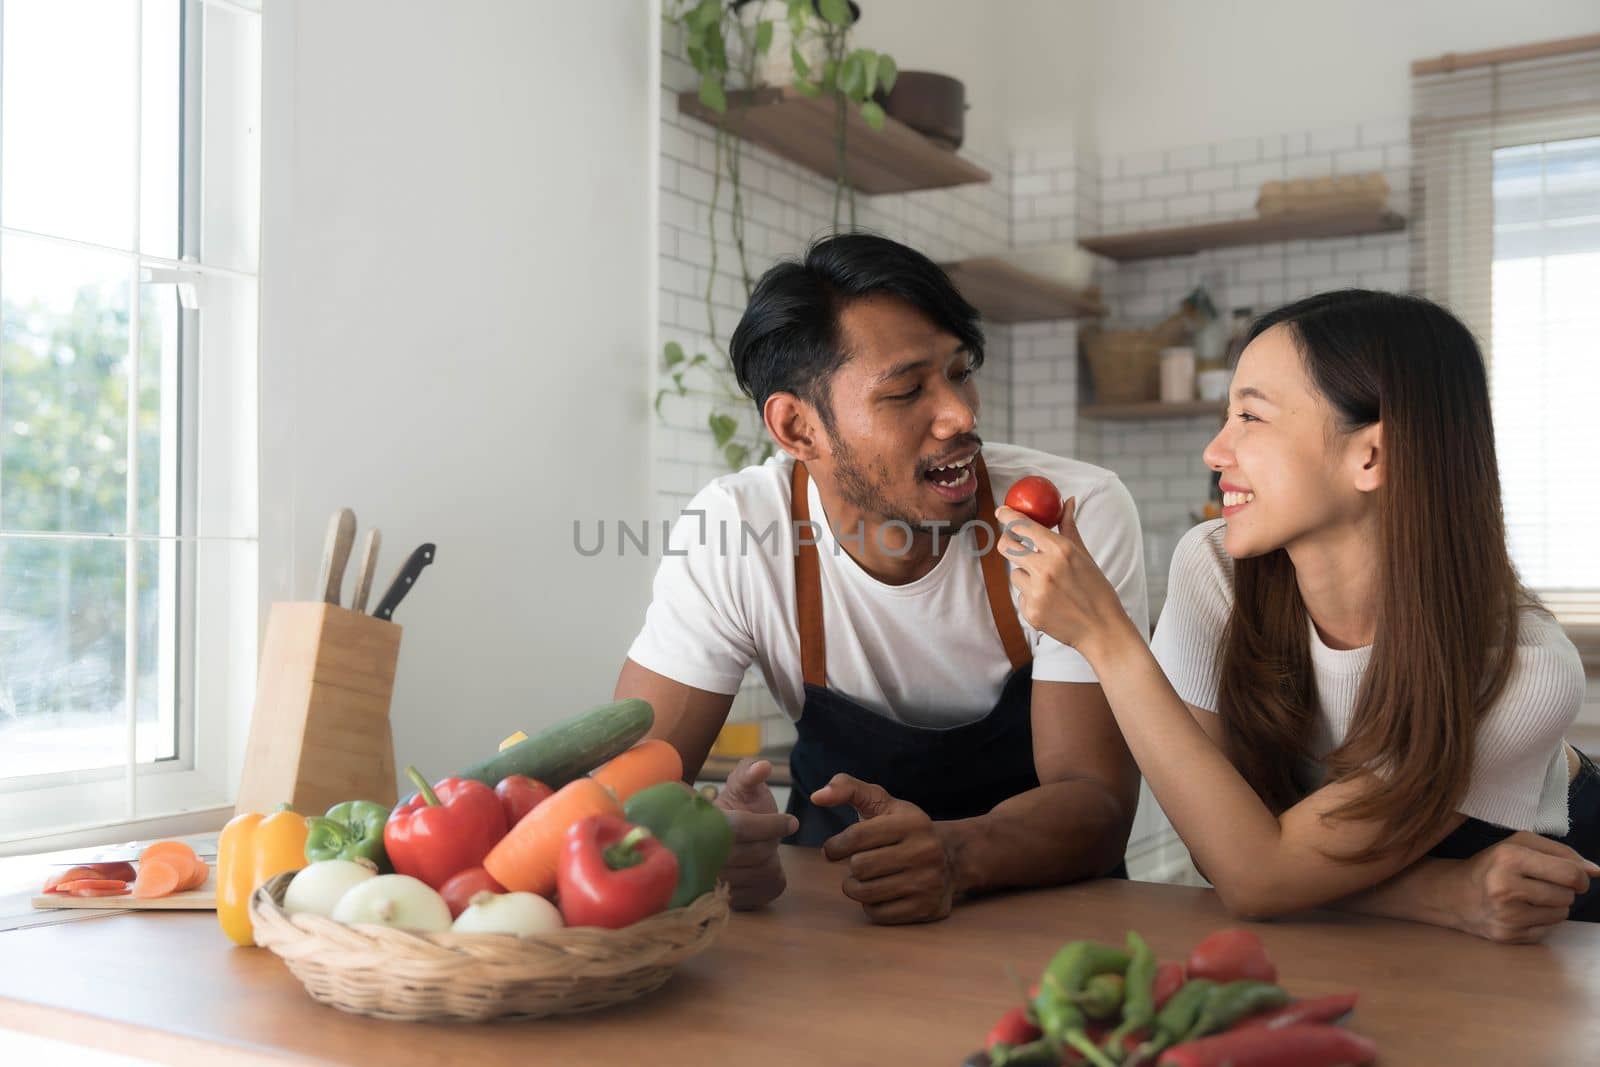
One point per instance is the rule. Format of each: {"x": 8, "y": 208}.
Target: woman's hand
{"x": 1520, "y": 889}
{"x": 1064, "y": 592}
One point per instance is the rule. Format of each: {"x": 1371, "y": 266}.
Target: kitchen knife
{"x": 403, "y": 581}
{"x": 365, "y": 568}
{"x": 336, "y": 554}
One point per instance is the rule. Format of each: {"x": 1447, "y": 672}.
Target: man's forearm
{"x": 1057, "y": 833}
{"x": 1423, "y": 892}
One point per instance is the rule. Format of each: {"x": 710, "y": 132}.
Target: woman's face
{"x": 1288, "y": 475}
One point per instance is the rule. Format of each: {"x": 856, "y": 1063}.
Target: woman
{"x": 1350, "y": 697}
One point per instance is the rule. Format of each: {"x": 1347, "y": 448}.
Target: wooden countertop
{"x": 804, "y": 982}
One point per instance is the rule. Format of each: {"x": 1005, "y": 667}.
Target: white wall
{"x": 1169, "y": 73}
{"x": 456, "y": 263}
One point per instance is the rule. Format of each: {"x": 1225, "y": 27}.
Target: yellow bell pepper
{"x": 252, "y": 848}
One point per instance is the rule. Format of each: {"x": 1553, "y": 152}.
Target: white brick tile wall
{"x": 1205, "y": 181}
{"x": 1358, "y": 160}
{"x": 1163, "y": 185}
{"x": 1192, "y": 158}
{"x": 1161, "y": 459}
{"x": 1335, "y": 139}
{"x": 1244, "y": 150}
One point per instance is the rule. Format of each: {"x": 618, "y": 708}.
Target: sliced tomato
{"x": 91, "y": 883}
{"x": 71, "y": 874}
{"x": 121, "y": 890}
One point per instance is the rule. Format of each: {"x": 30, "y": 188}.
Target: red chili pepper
{"x": 519, "y": 795}
{"x": 613, "y": 873}
{"x": 444, "y": 829}
{"x": 1014, "y": 1028}
{"x": 1300, "y": 1045}
{"x": 1169, "y": 979}
{"x": 1316, "y": 1010}
{"x": 1231, "y": 955}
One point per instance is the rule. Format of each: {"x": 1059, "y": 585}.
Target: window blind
{"x": 1506, "y": 232}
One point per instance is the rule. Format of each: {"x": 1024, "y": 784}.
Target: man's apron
{"x": 951, "y": 772}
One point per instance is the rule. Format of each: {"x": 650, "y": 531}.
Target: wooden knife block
{"x": 320, "y": 733}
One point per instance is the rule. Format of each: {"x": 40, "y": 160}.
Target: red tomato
{"x": 519, "y": 795}
{"x": 1036, "y": 498}
{"x": 1230, "y": 955}
{"x": 461, "y": 888}
{"x": 1014, "y": 1028}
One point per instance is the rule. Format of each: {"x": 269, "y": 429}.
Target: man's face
{"x": 904, "y": 405}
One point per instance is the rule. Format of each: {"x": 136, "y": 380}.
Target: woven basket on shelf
{"x": 1125, "y": 365}
{"x": 396, "y": 974}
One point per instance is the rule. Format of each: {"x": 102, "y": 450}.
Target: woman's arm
{"x": 1260, "y": 864}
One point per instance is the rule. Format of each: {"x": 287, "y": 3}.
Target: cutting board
{"x": 202, "y": 899}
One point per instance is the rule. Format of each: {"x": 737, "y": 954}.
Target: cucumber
{"x": 570, "y": 749}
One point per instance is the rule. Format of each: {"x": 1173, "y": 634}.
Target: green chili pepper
{"x": 1138, "y": 1000}
{"x": 1041, "y": 1053}
{"x": 349, "y": 831}
{"x": 1229, "y": 1003}
{"x": 1175, "y": 1020}
{"x": 1065, "y": 976}
{"x": 1101, "y": 997}
{"x": 1077, "y": 962}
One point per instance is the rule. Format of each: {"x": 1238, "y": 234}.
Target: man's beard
{"x": 868, "y": 491}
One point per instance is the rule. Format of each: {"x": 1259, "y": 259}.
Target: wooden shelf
{"x": 896, "y": 159}
{"x": 1154, "y": 410}
{"x": 1183, "y": 241}
{"x": 1006, "y": 293}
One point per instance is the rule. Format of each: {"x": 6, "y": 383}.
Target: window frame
{"x": 207, "y": 543}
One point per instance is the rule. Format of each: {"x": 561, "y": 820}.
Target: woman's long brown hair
{"x": 1448, "y": 597}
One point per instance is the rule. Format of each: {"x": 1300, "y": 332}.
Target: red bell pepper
{"x": 613, "y": 873}
{"x": 443, "y": 829}
{"x": 519, "y": 795}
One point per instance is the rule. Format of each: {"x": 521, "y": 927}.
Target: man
{"x": 945, "y": 748}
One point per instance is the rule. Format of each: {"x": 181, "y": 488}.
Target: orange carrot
{"x": 646, "y": 764}
{"x": 202, "y": 871}
{"x": 175, "y": 854}
{"x": 525, "y": 859}
{"x": 157, "y": 878}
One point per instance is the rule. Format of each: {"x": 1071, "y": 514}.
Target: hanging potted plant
{"x": 728, "y": 46}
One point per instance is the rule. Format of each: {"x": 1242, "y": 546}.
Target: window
{"x": 1546, "y": 368}
{"x": 128, "y": 219}
{"x": 1506, "y": 232}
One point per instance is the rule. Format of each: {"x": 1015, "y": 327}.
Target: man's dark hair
{"x": 789, "y": 339}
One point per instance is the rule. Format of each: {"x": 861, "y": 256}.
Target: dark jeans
{"x": 1583, "y": 835}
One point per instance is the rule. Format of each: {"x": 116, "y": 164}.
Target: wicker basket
{"x": 396, "y": 974}
{"x": 1125, "y": 365}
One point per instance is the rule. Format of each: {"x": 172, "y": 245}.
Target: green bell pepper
{"x": 350, "y": 831}
{"x": 693, "y": 829}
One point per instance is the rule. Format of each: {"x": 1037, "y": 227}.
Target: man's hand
{"x": 900, "y": 870}
{"x": 1518, "y": 890}
{"x": 753, "y": 871}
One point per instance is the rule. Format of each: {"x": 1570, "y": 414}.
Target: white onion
{"x": 523, "y": 914}
{"x": 396, "y": 900}
{"x": 317, "y": 888}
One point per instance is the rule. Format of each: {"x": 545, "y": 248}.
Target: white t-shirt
{"x": 925, "y": 653}
{"x": 1519, "y": 766}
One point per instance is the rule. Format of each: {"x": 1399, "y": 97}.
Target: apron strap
{"x": 807, "y": 586}
{"x": 808, "y": 583}
{"x": 997, "y": 579}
